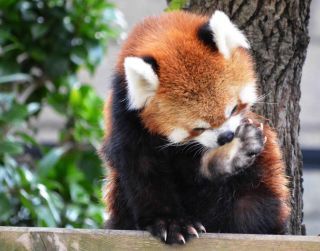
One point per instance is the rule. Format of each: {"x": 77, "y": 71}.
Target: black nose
{"x": 225, "y": 137}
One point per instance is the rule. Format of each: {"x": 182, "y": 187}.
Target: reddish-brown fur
{"x": 270, "y": 160}
{"x": 107, "y": 115}
{"x": 203, "y": 86}
{"x": 111, "y": 191}
{"x": 273, "y": 176}
{"x": 201, "y": 90}
{"x": 273, "y": 172}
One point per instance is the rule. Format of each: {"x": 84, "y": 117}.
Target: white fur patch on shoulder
{"x": 178, "y": 134}
{"x": 248, "y": 95}
{"x": 142, "y": 81}
{"x": 226, "y": 35}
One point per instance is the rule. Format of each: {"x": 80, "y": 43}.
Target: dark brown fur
{"x": 162, "y": 189}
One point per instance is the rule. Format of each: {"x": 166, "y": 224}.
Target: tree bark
{"x": 278, "y": 34}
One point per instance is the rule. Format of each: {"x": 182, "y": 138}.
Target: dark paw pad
{"x": 251, "y": 143}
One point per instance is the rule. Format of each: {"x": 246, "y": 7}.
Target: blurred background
{"x": 62, "y": 187}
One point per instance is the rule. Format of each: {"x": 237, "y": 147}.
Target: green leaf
{"x": 49, "y": 199}
{"x": 56, "y": 65}
{"x": 75, "y": 96}
{"x": 26, "y": 201}
{"x": 37, "y": 54}
{"x": 26, "y": 176}
{"x": 17, "y": 113}
{"x": 27, "y": 139}
{"x": 67, "y": 24}
{"x": 10, "y": 147}
{"x": 47, "y": 163}
{"x": 73, "y": 212}
{"x": 5, "y": 209}
{"x": 38, "y": 30}
{"x": 55, "y": 185}
{"x": 78, "y": 194}
{"x": 45, "y": 217}
{"x": 18, "y": 77}
{"x": 6, "y": 99}
{"x": 176, "y": 5}
{"x": 53, "y": 40}
{"x": 58, "y": 102}
{"x": 95, "y": 212}
{"x": 4, "y": 4}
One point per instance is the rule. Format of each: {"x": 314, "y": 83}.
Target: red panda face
{"x": 192, "y": 78}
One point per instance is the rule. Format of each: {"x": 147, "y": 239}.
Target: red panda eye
{"x": 234, "y": 110}
{"x": 199, "y": 129}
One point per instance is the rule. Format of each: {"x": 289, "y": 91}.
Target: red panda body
{"x": 184, "y": 152}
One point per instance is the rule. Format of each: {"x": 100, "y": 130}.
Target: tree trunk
{"x": 277, "y": 31}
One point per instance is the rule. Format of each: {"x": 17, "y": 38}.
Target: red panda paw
{"x": 175, "y": 231}
{"x": 252, "y": 140}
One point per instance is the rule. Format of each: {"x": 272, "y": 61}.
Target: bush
{"x": 43, "y": 43}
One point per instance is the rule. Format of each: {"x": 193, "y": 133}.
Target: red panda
{"x": 185, "y": 154}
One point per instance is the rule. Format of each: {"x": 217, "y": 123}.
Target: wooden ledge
{"x": 47, "y": 239}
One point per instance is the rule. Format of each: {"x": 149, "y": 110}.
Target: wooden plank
{"x": 55, "y": 239}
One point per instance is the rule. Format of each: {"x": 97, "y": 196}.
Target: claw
{"x": 265, "y": 140}
{"x": 164, "y": 235}
{"x": 181, "y": 239}
{"x": 192, "y": 231}
{"x": 202, "y": 229}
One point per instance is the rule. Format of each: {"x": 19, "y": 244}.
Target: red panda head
{"x": 191, "y": 77}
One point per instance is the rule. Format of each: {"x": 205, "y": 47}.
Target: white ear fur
{"x": 226, "y": 35}
{"x": 142, "y": 81}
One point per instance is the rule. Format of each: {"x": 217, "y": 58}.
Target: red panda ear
{"x": 226, "y": 35}
{"x": 142, "y": 81}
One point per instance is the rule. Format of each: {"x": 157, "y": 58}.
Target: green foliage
{"x": 43, "y": 43}
{"x": 176, "y": 5}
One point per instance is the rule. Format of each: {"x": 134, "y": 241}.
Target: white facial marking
{"x": 178, "y": 134}
{"x": 248, "y": 95}
{"x": 201, "y": 124}
{"x": 232, "y": 123}
{"x": 142, "y": 81}
{"x": 229, "y": 109}
{"x": 226, "y": 35}
{"x": 209, "y": 138}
